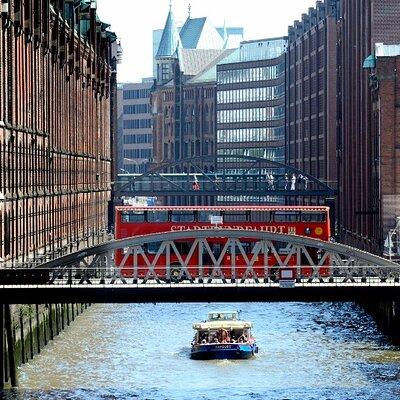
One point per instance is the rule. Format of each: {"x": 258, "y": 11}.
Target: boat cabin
{"x": 222, "y": 327}
{"x": 223, "y": 316}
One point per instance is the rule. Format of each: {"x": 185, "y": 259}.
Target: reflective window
{"x": 260, "y": 216}
{"x": 157, "y": 216}
{"x": 153, "y": 248}
{"x": 250, "y": 114}
{"x": 182, "y": 216}
{"x": 313, "y": 217}
{"x": 273, "y": 153}
{"x": 250, "y": 134}
{"x": 237, "y": 216}
{"x": 132, "y": 216}
{"x": 205, "y": 216}
{"x": 289, "y": 216}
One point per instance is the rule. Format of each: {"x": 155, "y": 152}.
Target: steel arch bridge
{"x": 338, "y": 272}
{"x": 234, "y": 175}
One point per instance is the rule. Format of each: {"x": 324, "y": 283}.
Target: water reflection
{"x": 307, "y": 351}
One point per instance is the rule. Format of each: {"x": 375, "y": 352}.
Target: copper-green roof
{"x": 170, "y": 40}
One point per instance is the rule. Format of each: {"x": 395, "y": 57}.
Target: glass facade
{"x": 135, "y": 136}
{"x": 250, "y": 74}
{"x": 138, "y": 138}
{"x": 136, "y": 94}
{"x": 137, "y": 109}
{"x": 251, "y": 105}
{"x": 250, "y": 115}
{"x": 250, "y": 135}
{"x": 270, "y": 153}
{"x": 263, "y": 49}
{"x": 137, "y": 123}
{"x": 251, "y": 94}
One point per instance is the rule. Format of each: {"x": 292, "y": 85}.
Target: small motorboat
{"x": 223, "y": 336}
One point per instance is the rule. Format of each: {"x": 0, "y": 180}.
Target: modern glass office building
{"x": 251, "y": 100}
{"x": 135, "y": 135}
{"x": 251, "y": 103}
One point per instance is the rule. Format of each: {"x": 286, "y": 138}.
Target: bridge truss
{"x": 234, "y": 175}
{"x": 319, "y": 270}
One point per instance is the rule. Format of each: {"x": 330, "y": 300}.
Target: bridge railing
{"x": 223, "y": 183}
{"x": 79, "y": 275}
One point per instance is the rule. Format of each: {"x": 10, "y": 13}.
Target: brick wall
{"x": 311, "y": 94}
{"x": 363, "y": 23}
{"x": 385, "y": 21}
{"x": 388, "y": 107}
{"x": 55, "y": 168}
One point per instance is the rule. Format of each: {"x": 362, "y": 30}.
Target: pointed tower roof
{"x": 170, "y": 39}
{"x": 225, "y": 35}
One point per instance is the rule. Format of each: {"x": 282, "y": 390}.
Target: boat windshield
{"x": 210, "y": 336}
{"x": 222, "y": 316}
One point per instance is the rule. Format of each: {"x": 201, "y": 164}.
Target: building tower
{"x": 168, "y": 50}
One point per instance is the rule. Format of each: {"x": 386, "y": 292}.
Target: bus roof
{"x": 223, "y": 208}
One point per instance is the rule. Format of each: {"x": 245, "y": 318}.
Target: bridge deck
{"x": 250, "y": 290}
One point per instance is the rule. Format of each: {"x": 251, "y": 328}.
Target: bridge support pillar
{"x": 10, "y": 345}
{"x": 2, "y": 349}
{"x": 387, "y": 315}
{"x": 8, "y": 370}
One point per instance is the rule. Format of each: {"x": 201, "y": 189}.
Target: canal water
{"x": 308, "y": 351}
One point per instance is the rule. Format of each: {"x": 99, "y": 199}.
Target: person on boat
{"x": 243, "y": 339}
{"x": 225, "y": 336}
{"x": 216, "y": 339}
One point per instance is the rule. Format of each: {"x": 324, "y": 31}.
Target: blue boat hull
{"x": 229, "y": 351}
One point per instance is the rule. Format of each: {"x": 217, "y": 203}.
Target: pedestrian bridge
{"x": 278, "y": 267}
{"x": 190, "y": 177}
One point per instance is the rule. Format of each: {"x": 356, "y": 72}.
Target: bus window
{"x": 289, "y": 216}
{"x": 236, "y": 216}
{"x": 313, "y": 217}
{"x": 260, "y": 216}
{"x": 182, "y": 216}
{"x": 152, "y": 248}
{"x": 246, "y": 247}
{"x": 183, "y": 247}
{"x": 132, "y": 216}
{"x": 157, "y": 216}
{"x": 205, "y": 216}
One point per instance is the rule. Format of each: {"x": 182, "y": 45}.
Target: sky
{"x": 134, "y": 21}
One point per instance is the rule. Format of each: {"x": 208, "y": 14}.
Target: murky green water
{"x": 141, "y": 351}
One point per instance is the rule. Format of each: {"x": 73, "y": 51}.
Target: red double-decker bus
{"x": 130, "y": 221}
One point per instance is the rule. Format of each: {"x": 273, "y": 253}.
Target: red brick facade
{"x": 54, "y": 132}
{"x": 363, "y": 23}
{"x": 387, "y": 119}
{"x": 311, "y": 94}
{"x": 197, "y": 136}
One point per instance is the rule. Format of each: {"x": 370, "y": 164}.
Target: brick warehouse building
{"x": 386, "y": 119}
{"x": 184, "y": 96}
{"x": 311, "y": 93}
{"x": 55, "y": 157}
{"x": 360, "y": 179}
{"x": 183, "y": 100}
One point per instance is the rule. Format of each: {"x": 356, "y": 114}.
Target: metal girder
{"x": 196, "y": 292}
{"x": 315, "y": 266}
{"x": 339, "y": 254}
{"x": 188, "y": 191}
